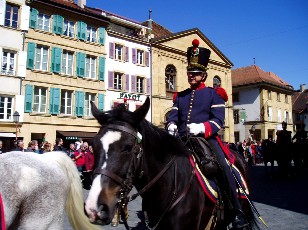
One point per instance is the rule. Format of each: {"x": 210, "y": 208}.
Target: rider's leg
{"x": 228, "y": 184}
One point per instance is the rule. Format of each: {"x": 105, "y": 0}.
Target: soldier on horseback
{"x": 200, "y": 110}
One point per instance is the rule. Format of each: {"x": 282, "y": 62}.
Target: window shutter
{"x": 2, "y": 12}
{"x": 148, "y": 85}
{"x": 101, "y": 71}
{"x": 110, "y": 79}
{"x": 80, "y": 64}
{"x": 101, "y": 101}
{"x": 133, "y": 83}
{"x": 81, "y": 30}
{"x": 28, "y": 98}
{"x": 25, "y": 18}
{"x": 127, "y": 54}
{"x": 147, "y": 58}
{"x": 58, "y": 21}
{"x": 30, "y": 55}
{"x": 127, "y": 82}
{"x": 81, "y": 103}
{"x": 134, "y": 56}
{"x": 33, "y": 18}
{"x": 56, "y": 56}
{"x": 101, "y": 32}
{"x": 111, "y": 50}
{"x": 22, "y": 62}
{"x": 54, "y": 101}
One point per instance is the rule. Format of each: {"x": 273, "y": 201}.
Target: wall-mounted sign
{"x": 130, "y": 96}
{"x": 71, "y": 138}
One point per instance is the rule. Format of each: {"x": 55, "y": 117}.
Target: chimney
{"x": 302, "y": 87}
{"x": 81, "y": 3}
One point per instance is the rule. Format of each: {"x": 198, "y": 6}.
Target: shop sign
{"x": 130, "y": 96}
{"x": 71, "y": 138}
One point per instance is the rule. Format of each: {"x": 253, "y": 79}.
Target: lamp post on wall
{"x": 16, "y": 120}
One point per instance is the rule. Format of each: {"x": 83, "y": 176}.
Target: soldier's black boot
{"x": 239, "y": 221}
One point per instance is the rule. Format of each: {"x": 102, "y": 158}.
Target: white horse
{"x": 37, "y": 188}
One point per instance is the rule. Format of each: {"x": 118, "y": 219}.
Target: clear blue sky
{"x": 274, "y": 32}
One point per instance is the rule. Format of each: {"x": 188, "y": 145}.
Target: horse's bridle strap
{"x": 109, "y": 174}
{"x": 123, "y": 128}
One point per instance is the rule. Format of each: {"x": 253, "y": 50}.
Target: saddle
{"x": 204, "y": 155}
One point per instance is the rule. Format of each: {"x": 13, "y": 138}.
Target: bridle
{"x": 135, "y": 169}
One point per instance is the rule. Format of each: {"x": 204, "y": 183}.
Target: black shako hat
{"x": 197, "y": 57}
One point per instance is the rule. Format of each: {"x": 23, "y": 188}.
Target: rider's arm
{"x": 173, "y": 115}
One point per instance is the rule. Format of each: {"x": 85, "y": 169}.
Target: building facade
{"x": 14, "y": 23}
{"x": 300, "y": 108}
{"x": 261, "y": 102}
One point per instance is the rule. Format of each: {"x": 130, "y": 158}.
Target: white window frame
{"x": 45, "y": 20}
{"x": 140, "y": 57}
{"x": 91, "y": 34}
{"x": 9, "y": 62}
{"x": 270, "y": 113}
{"x": 40, "y": 104}
{"x": 87, "y": 105}
{"x": 118, "y": 81}
{"x": 279, "y": 115}
{"x": 66, "y": 96}
{"x": 91, "y": 67}
{"x": 69, "y": 28}
{"x": 7, "y": 116}
{"x": 118, "y": 52}
{"x": 41, "y": 60}
{"x": 11, "y": 16}
{"x": 67, "y": 64}
{"x": 140, "y": 84}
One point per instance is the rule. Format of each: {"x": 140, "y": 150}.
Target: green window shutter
{"x": 58, "y": 24}
{"x": 101, "y": 70}
{"x": 28, "y": 98}
{"x": 31, "y": 55}
{"x": 56, "y": 56}
{"x": 101, "y": 32}
{"x": 81, "y": 30}
{"x": 101, "y": 101}
{"x": 80, "y": 64}
{"x": 51, "y": 101}
{"x": 55, "y": 101}
{"x": 79, "y": 103}
{"x": 33, "y": 18}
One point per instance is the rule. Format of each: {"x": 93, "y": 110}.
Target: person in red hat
{"x": 200, "y": 111}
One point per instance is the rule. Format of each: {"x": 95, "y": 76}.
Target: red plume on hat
{"x": 195, "y": 44}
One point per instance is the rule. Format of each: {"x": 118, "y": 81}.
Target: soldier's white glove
{"x": 196, "y": 129}
{"x": 172, "y": 129}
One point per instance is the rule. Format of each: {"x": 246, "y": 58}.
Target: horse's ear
{"x": 100, "y": 116}
{"x": 142, "y": 111}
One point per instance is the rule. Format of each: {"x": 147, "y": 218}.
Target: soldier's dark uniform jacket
{"x": 201, "y": 105}
{"x": 284, "y": 137}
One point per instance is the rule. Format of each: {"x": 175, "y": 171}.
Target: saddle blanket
{"x": 210, "y": 187}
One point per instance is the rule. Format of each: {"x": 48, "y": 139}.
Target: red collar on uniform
{"x": 200, "y": 86}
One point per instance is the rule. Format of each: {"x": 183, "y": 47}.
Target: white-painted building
{"x": 14, "y": 23}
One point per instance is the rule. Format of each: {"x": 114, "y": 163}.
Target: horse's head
{"x": 116, "y": 149}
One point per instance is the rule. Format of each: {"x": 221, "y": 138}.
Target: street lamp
{"x": 16, "y": 120}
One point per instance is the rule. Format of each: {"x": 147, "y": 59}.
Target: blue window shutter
{"x": 56, "y": 57}
{"x": 28, "y": 98}
{"x": 101, "y": 68}
{"x": 148, "y": 85}
{"x": 127, "y": 54}
{"x": 110, "y": 79}
{"x": 147, "y": 58}
{"x": 81, "y": 30}
{"x": 51, "y": 100}
{"x": 101, "y": 101}
{"x": 76, "y": 103}
{"x": 134, "y": 56}
{"x": 31, "y": 55}
{"x": 33, "y": 18}
{"x": 133, "y": 83}
{"x": 81, "y": 103}
{"x": 58, "y": 24}
{"x": 111, "y": 50}
{"x": 127, "y": 82}
{"x": 80, "y": 64}
{"x": 54, "y": 100}
{"x": 101, "y": 32}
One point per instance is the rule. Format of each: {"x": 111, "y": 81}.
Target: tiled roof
{"x": 254, "y": 74}
{"x": 158, "y": 30}
{"x": 299, "y": 101}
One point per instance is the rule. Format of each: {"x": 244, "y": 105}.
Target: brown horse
{"x": 130, "y": 151}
